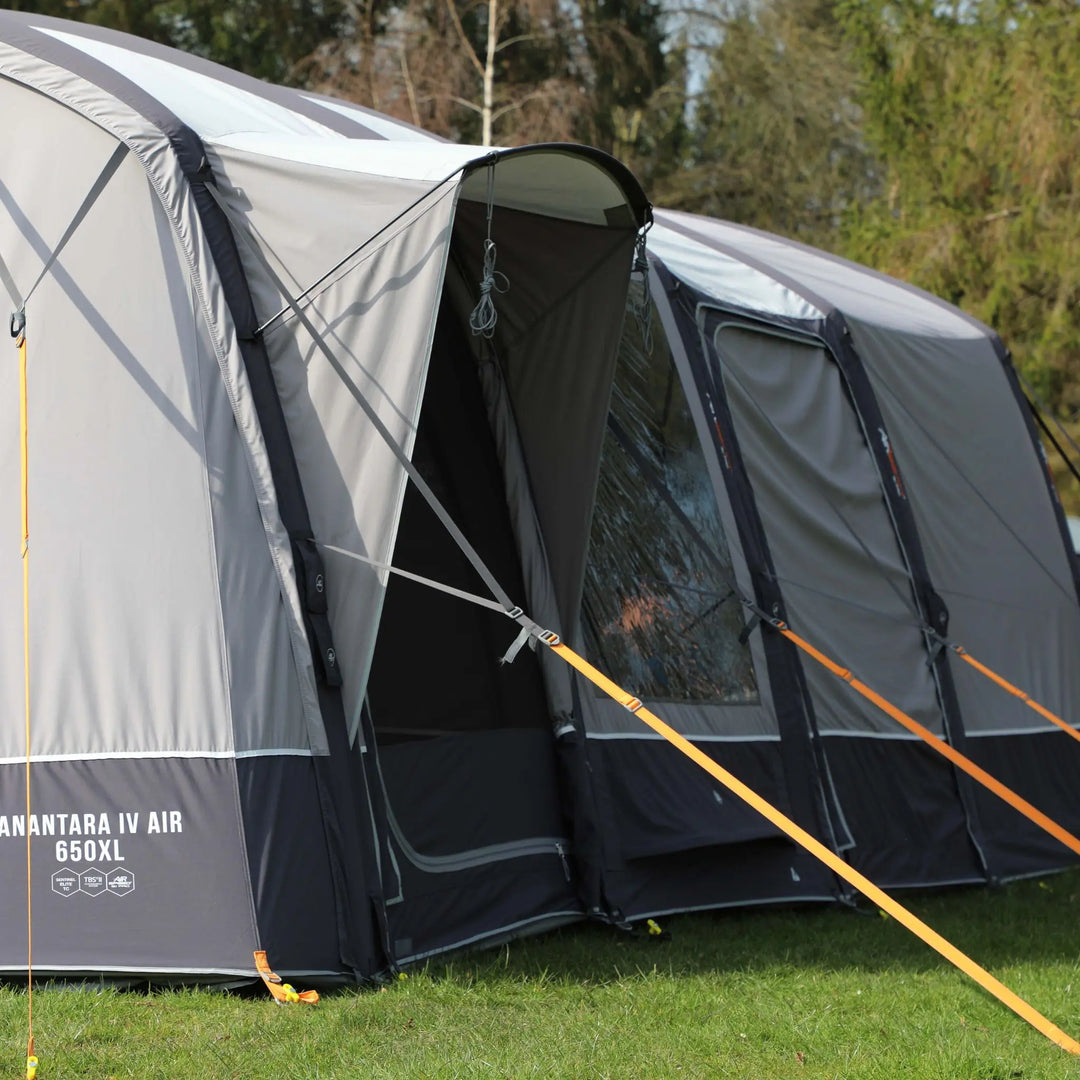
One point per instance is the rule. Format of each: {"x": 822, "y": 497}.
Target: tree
{"x": 973, "y": 107}
{"x": 472, "y": 70}
{"x": 775, "y": 136}
{"x": 265, "y": 38}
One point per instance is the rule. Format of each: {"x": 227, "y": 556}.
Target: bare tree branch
{"x": 469, "y": 50}
{"x": 520, "y": 103}
{"x": 410, "y": 90}
{"x": 515, "y": 39}
{"x": 464, "y": 103}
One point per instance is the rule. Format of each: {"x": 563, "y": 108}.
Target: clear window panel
{"x": 658, "y": 614}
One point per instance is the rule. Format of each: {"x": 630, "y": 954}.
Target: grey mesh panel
{"x": 659, "y": 611}
{"x": 992, "y": 543}
{"x": 808, "y": 453}
{"x": 378, "y": 317}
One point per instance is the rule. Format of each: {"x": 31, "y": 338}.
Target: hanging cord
{"x": 18, "y": 332}
{"x": 642, "y": 308}
{"x": 483, "y": 317}
{"x": 1041, "y": 421}
{"x": 294, "y": 302}
{"x": 1033, "y": 396}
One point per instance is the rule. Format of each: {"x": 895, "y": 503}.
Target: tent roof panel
{"x": 385, "y": 126}
{"x": 349, "y": 124}
{"x": 208, "y": 106}
{"x": 400, "y": 160}
{"x": 854, "y": 290}
{"x": 553, "y": 180}
{"x": 724, "y": 277}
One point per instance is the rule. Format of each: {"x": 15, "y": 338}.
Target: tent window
{"x": 657, "y": 613}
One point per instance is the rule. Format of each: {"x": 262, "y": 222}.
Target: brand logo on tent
{"x": 65, "y": 882}
{"x": 120, "y": 882}
{"x": 93, "y": 882}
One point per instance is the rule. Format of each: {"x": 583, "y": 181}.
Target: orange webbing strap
{"x": 281, "y": 992}
{"x": 942, "y": 747}
{"x": 18, "y": 330}
{"x": 819, "y": 850}
{"x": 993, "y": 676}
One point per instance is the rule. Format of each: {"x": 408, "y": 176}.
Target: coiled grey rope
{"x": 483, "y": 317}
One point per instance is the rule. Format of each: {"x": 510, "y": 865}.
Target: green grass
{"x": 763, "y": 995}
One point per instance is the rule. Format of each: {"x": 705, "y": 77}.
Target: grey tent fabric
{"x": 246, "y": 736}
{"x": 827, "y": 370}
{"x": 185, "y": 471}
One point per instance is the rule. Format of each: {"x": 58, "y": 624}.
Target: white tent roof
{"x": 742, "y": 266}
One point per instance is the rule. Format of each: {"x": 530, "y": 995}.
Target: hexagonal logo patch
{"x": 92, "y": 882}
{"x": 65, "y": 882}
{"x": 120, "y": 882}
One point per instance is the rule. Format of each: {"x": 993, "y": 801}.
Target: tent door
{"x": 465, "y": 745}
{"x": 847, "y": 590}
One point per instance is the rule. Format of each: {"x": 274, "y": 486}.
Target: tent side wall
{"x": 785, "y": 460}
{"x": 139, "y": 668}
{"x": 998, "y": 555}
{"x": 970, "y": 502}
{"x": 262, "y": 661}
{"x": 847, "y": 589}
{"x": 673, "y": 527}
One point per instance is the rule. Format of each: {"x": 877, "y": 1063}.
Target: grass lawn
{"x": 761, "y": 995}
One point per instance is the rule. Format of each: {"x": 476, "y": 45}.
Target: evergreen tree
{"x": 775, "y": 137}
{"x": 973, "y": 107}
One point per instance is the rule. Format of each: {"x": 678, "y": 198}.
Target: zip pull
{"x": 565, "y": 862}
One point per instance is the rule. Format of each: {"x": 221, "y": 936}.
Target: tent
{"x": 249, "y": 313}
{"x": 202, "y": 488}
{"x": 878, "y": 485}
